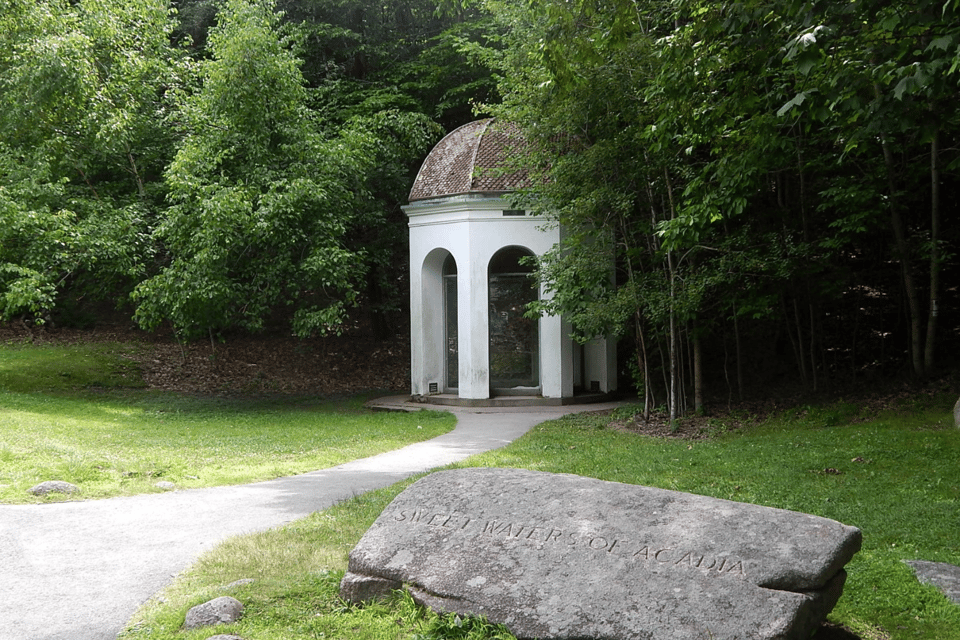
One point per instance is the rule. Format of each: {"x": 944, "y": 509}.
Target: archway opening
{"x": 451, "y": 348}
{"x": 514, "y": 340}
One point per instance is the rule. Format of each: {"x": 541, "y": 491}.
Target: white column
{"x": 473, "y": 323}
{"x": 601, "y": 364}
{"x": 417, "y": 386}
{"x": 431, "y": 313}
{"x": 556, "y": 358}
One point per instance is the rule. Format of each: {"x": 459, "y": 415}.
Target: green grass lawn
{"x": 897, "y": 477}
{"x": 80, "y": 413}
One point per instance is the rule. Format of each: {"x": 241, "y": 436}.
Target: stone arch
{"x": 435, "y": 313}
{"x": 514, "y": 339}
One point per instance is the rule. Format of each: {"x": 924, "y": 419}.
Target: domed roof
{"x": 472, "y": 159}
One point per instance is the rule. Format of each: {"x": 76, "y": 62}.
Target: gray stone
{"x": 53, "y": 486}
{"x": 166, "y": 485}
{"x": 560, "y": 556}
{"x": 223, "y": 636}
{"x": 222, "y": 610}
{"x": 956, "y": 415}
{"x": 943, "y": 576}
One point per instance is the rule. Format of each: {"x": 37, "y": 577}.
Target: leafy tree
{"x": 394, "y": 67}
{"x": 81, "y": 93}
{"x": 883, "y": 81}
{"x": 261, "y": 200}
{"x": 184, "y": 157}
{"x": 738, "y": 158}
{"x": 382, "y": 74}
{"x": 394, "y": 143}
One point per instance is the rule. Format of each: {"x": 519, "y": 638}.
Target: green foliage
{"x": 746, "y": 160}
{"x": 363, "y": 58}
{"x": 261, "y": 200}
{"x": 393, "y": 143}
{"x": 223, "y": 162}
{"x": 85, "y": 72}
{"x": 81, "y": 88}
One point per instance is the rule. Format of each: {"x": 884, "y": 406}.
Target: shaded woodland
{"x": 776, "y": 181}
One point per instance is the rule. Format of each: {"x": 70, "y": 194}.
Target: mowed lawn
{"x": 894, "y": 474}
{"x": 79, "y": 413}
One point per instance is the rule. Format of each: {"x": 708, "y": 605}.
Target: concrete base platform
{"x": 412, "y": 403}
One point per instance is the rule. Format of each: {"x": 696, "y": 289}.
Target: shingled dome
{"x": 472, "y": 159}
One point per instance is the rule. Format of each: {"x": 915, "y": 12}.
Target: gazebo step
{"x": 449, "y": 399}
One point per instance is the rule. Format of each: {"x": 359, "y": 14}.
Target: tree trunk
{"x": 643, "y": 360}
{"x": 686, "y": 382}
{"x": 697, "y": 373}
{"x": 141, "y": 190}
{"x": 934, "y": 251}
{"x": 673, "y": 317}
{"x": 664, "y": 368}
{"x": 738, "y": 354}
{"x": 813, "y": 346}
{"x": 800, "y": 346}
{"x": 797, "y": 352}
{"x": 903, "y": 251}
{"x": 856, "y": 332}
{"x": 672, "y": 401}
{"x": 726, "y": 374}
{"x": 644, "y": 366}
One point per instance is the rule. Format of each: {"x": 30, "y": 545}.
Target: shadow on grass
{"x": 829, "y": 631}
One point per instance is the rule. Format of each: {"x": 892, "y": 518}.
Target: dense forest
{"x": 210, "y": 164}
{"x": 777, "y": 180}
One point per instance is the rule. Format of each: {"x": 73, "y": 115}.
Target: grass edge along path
{"x": 896, "y": 476}
{"x": 80, "y": 413}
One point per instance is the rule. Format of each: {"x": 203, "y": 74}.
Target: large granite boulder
{"x": 560, "y": 556}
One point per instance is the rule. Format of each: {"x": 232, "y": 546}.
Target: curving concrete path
{"x": 79, "y": 570}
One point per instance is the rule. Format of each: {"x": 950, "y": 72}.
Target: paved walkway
{"x": 79, "y": 570}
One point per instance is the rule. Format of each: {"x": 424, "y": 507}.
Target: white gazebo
{"x": 470, "y": 341}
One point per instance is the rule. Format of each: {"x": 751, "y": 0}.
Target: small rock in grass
{"x": 166, "y": 485}
{"x": 238, "y": 583}
{"x": 222, "y": 636}
{"x": 53, "y": 486}
{"x": 956, "y": 415}
{"x": 222, "y": 610}
{"x": 945, "y": 577}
